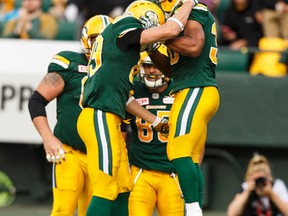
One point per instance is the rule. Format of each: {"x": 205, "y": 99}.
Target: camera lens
{"x": 260, "y": 182}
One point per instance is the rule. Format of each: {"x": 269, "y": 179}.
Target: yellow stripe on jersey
{"x": 125, "y": 32}
{"x": 201, "y": 7}
{"x": 60, "y": 60}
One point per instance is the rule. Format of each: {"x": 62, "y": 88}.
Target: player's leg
{"x": 181, "y": 144}
{"x": 68, "y": 182}
{"x": 169, "y": 196}
{"x": 120, "y": 205}
{"x": 206, "y": 109}
{"x": 142, "y": 199}
{"x": 123, "y": 178}
{"x": 96, "y": 129}
{"x": 190, "y": 114}
{"x": 86, "y": 195}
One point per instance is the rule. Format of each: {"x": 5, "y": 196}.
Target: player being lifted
{"x": 192, "y": 63}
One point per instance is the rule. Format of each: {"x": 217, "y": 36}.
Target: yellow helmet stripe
{"x": 105, "y": 21}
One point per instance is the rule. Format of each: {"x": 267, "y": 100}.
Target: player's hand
{"x": 161, "y": 126}
{"x": 54, "y": 151}
{"x": 152, "y": 47}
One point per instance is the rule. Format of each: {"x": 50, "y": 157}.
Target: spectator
{"x": 260, "y": 194}
{"x": 240, "y": 27}
{"x": 32, "y": 23}
{"x": 58, "y": 10}
{"x": 275, "y": 18}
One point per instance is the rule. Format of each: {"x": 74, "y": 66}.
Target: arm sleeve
{"x": 130, "y": 40}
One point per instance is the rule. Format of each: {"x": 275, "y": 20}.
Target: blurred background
{"x": 251, "y": 72}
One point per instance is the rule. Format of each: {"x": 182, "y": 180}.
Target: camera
{"x": 260, "y": 182}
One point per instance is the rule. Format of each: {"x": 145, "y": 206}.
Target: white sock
{"x": 193, "y": 209}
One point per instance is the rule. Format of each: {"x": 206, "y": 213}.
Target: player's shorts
{"x": 72, "y": 188}
{"x": 108, "y": 165}
{"x": 189, "y": 116}
{"x": 155, "y": 189}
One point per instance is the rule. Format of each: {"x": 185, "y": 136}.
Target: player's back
{"x": 72, "y": 68}
{"x": 190, "y": 72}
{"x": 111, "y": 69}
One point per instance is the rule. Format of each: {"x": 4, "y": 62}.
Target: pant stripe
{"x": 104, "y": 148}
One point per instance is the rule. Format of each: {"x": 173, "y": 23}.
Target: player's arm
{"x": 137, "y": 37}
{"x": 171, "y": 28}
{"x": 192, "y": 41}
{"x": 162, "y": 62}
{"x": 50, "y": 87}
{"x": 160, "y": 125}
{"x": 133, "y": 107}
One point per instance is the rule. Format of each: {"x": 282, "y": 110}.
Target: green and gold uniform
{"x": 72, "y": 188}
{"x": 106, "y": 92}
{"x": 196, "y": 101}
{"x": 154, "y": 175}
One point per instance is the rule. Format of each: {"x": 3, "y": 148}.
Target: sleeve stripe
{"x": 200, "y": 7}
{"x": 57, "y": 61}
{"x": 60, "y": 60}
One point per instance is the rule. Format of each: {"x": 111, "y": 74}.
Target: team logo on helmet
{"x": 149, "y": 19}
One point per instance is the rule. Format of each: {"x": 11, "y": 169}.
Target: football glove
{"x": 152, "y": 47}
{"x": 161, "y": 126}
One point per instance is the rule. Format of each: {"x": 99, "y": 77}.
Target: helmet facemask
{"x": 152, "y": 81}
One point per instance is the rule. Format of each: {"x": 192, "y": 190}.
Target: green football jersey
{"x": 111, "y": 70}
{"x": 190, "y": 72}
{"x": 148, "y": 148}
{"x": 72, "y": 66}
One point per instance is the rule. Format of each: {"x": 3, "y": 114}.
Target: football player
{"x": 193, "y": 59}
{"x": 72, "y": 188}
{"x": 112, "y": 65}
{"x": 155, "y": 181}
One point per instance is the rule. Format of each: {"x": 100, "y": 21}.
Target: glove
{"x": 152, "y": 47}
{"x": 161, "y": 126}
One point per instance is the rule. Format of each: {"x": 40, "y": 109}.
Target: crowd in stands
{"x": 248, "y": 26}
{"x": 52, "y": 19}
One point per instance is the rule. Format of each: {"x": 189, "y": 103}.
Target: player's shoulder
{"x": 201, "y": 7}
{"x": 69, "y": 55}
{"x": 125, "y": 18}
{"x": 125, "y": 23}
{"x": 66, "y": 60}
{"x": 201, "y": 13}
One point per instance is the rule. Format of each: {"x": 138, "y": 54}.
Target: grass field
{"x": 43, "y": 209}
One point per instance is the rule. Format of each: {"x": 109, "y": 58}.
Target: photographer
{"x": 261, "y": 194}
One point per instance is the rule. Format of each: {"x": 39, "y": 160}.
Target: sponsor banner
{"x": 23, "y": 65}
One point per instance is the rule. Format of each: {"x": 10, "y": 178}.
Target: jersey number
{"x": 145, "y": 131}
{"x": 174, "y": 56}
{"x": 95, "y": 61}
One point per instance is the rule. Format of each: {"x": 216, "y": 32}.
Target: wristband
{"x": 129, "y": 100}
{"x": 178, "y": 22}
{"x": 156, "y": 122}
